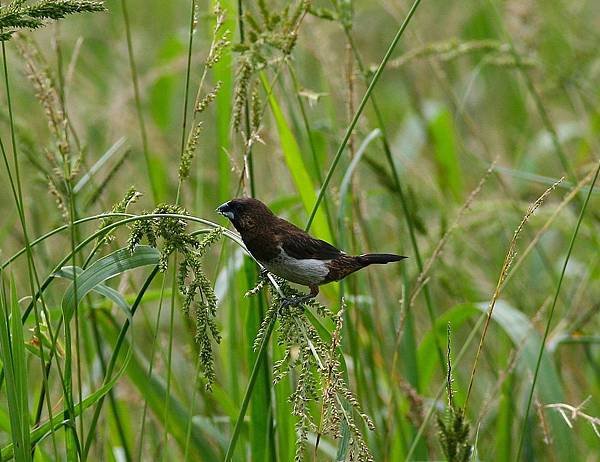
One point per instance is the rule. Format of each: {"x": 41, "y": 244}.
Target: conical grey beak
{"x": 225, "y": 210}
{"x": 221, "y": 208}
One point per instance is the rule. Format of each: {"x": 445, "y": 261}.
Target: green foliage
{"x": 190, "y": 149}
{"x": 105, "y": 268}
{"x": 324, "y": 114}
{"x": 12, "y": 353}
{"x": 454, "y": 435}
{"x": 19, "y": 15}
{"x": 453, "y": 426}
{"x": 270, "y": 40}
{"x": 169, "y": 234}
{"x": 220, "y": 42}
{"x": 131, "y": 196}
{"x": 297, "y": 166}
{"x": 318, "y": 370}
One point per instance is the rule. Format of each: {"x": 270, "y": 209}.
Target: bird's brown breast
{"x": 262, "y": 246}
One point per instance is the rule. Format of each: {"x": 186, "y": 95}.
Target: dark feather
{"x": 342, "y": 266}
{"x": 266, "y": 235}
{"x": 261, "y": 245}
{"x": 300, "y": 245}
{"x": 379, "y": 258}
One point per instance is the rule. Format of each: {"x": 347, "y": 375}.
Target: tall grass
{"x": 134, "y": 326}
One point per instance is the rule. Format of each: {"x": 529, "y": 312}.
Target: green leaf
{"x": 446, "y": 155}
{"x": 223, "y": 72}
{"x": 12, "y": 352}
{"x": 297, "y": 167}
{"x": 102, "y": 289}
{"x": 43, "y": 431}
{"x": 107, "y": 267}
{"x": 345, "y": 185}
{"x": 527, "y": 340}
{"x": 97, "y": 166}
{"x": 154, "y": 391}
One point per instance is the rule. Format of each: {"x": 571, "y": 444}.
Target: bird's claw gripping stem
{"x": 300, "y": 299}
{"x": 295, "y": 301}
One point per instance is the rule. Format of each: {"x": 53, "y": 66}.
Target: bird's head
{"x": 245, "y": 213}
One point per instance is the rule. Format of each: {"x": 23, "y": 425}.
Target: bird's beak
{"x": 225, "y": 210}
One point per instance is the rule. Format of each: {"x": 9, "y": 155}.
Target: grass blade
{"x": 359, "y": 111}
{"x": 154, "y": 391}
{"x": 295, "y": 161}
{"x": 542, "y": 347}
{"x": 107, "y": 267}
{"x": 446, "y": 155}
{"x": 12, "y": 351}
{"x": 101, "y": 289}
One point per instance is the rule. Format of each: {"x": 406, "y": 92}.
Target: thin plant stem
{"x": 169, "y": 355}
{"x": 248, "y": 161}
{"x": 405, "y": 209}
{"x": 508, "y": 259}
{"x": 138, "y": 101}
{"x": 111, "y": 395}
{"x": 68, "y": 174}
{"x": 186, "y": 93}
{"x": 549, "y": 321}
{"x": 359, "y": 111}
{"x": 72, "y": 239}
{"x": 177, "y": 200}
{"x": 115, "y": 354}
{"x": 151, "y": 365}
{"x": 15, "y": 183}
{"x": 253, "y": 377}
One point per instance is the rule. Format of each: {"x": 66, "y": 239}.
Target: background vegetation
{"x": 481, "y": 107}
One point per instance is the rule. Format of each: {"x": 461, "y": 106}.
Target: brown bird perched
{"x": 289, "y": 252}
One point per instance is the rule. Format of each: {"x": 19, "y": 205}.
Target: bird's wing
{"x": 302, "y": 246}
{"x": 298, "y": 244}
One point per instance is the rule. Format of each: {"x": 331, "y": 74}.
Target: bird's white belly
{"x": 307, "y": 271}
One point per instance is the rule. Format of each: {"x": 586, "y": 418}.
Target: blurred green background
{"x": 470, "y": 83}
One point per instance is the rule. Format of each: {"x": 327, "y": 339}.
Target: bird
{"x": 289, "y": 252}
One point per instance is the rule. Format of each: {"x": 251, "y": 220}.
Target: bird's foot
{"x": 295, "y": 300}
{"x": 300, "y": 299}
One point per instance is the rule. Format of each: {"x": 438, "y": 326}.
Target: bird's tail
{"x": 378, "y": 258}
